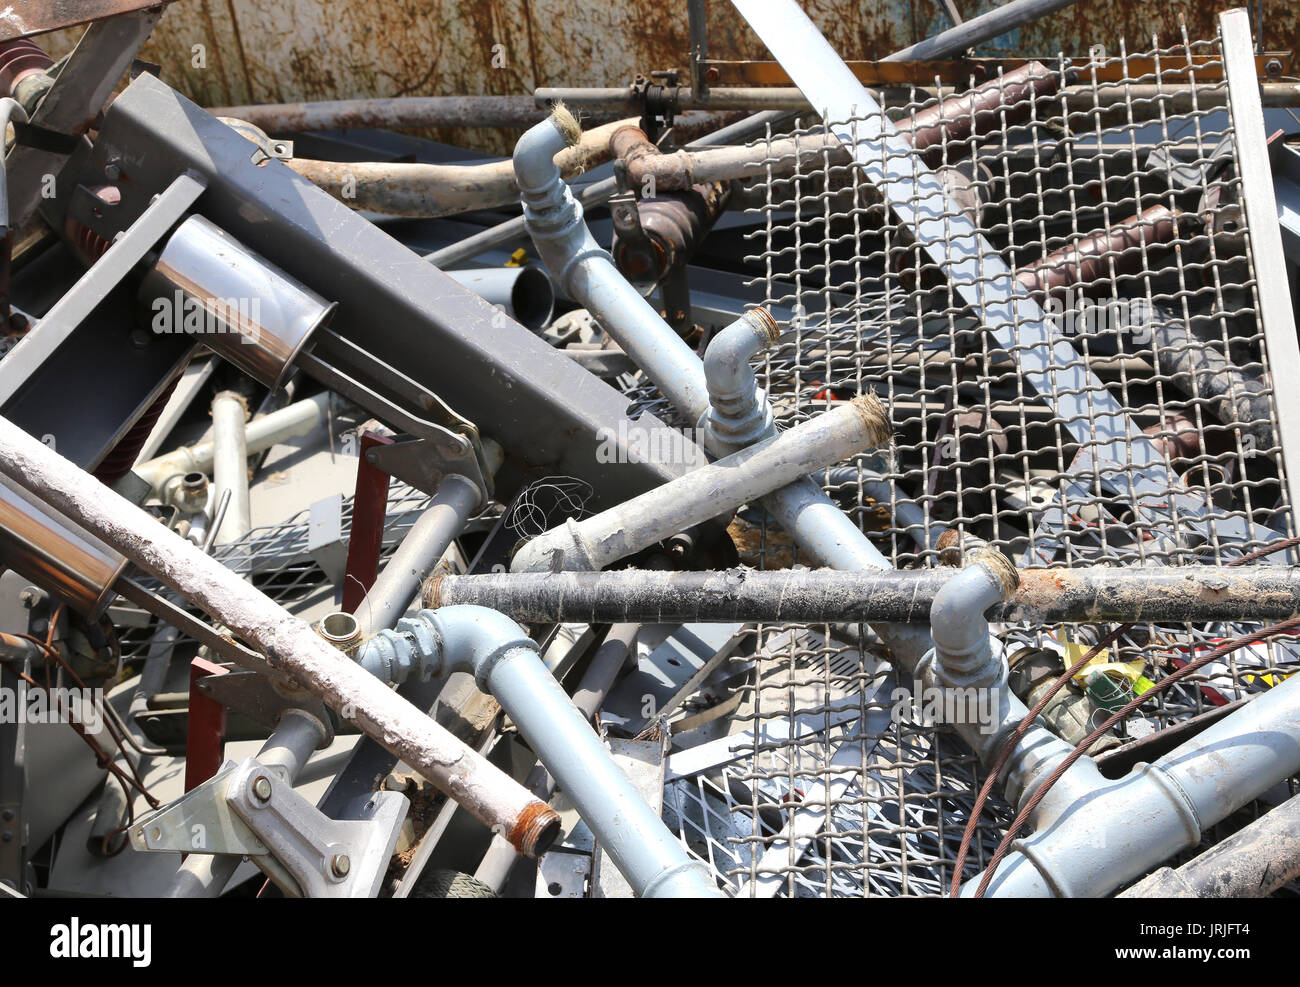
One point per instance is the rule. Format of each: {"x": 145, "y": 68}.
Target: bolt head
{"x": 112, "y": 171}
{"x": 262, "y": 789}
{"x": 340, "y": 864}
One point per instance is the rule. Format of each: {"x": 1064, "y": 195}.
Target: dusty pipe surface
{"x": 739, "y": 412}
{"x": 592, "y": 195}
{"x": 1252, "y": 863}
{"x": 586, "y": 271}
{"x": 430, "y": 190}
{"x": 399, "y": 582}
{"x": 397, "y": 113}
{"x": 505, "y": 664}
{"x": 577, "y": 262}
{"x": 709, "y": 491}
{"x": 600, "y": 676}
{"x": 415, "y": 112}
{"x": 230, "y": 464}
{"x": 1168, "y": 594}
{"x": 289, "y": 644}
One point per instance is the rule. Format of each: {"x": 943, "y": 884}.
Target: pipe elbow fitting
{"x": 726, "y": 361}
{"x": 473, "y": 639}
{"x": 647, "y": 168}
{"x": 739, "y": 413}
{"x": 534, "y": 154}
{"x": 962, "y": 655}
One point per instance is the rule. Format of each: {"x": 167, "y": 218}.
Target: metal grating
{"x": 1171, "y": 335}
{"x": 277, "y": 559}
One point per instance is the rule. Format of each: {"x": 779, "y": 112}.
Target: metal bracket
{"x": 443, "y": 441}
{"x": 325, "y": 858}
{"x": 248, "y": 809}
{"x": 261, "y": 698}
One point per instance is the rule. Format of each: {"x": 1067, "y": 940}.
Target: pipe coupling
{"x": 438, "y": 642}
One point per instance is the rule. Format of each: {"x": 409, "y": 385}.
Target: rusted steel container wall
{"x": 298, "y": 50}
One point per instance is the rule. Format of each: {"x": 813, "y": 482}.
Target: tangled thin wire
{"x": 131, "y": 781}
{"x": 542, "y": 505}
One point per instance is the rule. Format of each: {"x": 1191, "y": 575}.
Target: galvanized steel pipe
{"x": 709, "y": 491}
{"x": 739, "y": 412}
{"x": 601, "y": 674}
{"x": 1094, "y": 835}
{"x": 260, "y": 434}
{"x": 230, "y": 465}
{"x": 506, "y": 664}
{"x": 523, "y": 293}
{"x": 399, "y": 582}
{"x": 289, "y": 644}
{"x": 1251, "y": 863}
{"x": 582, "y": 268}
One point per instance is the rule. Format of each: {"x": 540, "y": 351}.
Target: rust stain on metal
{"x": 26, "y": 17}
{"x": 303, "y": 50}
{"x": 535, "y": 830}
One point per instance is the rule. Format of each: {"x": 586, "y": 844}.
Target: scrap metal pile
{"x": 886, "y": 492}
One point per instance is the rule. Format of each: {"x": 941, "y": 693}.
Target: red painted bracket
{"x": 205, "y": 737}
{"x": 369, "y": 508}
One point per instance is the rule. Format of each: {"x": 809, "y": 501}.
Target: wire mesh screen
{"x": 279, "y": 561}
{"x": 1123, "y": 415}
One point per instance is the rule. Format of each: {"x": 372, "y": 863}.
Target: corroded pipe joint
{"x": 963, "y": 655}
{"x": 648, "y": 169}
{"x": 739, "y": 413}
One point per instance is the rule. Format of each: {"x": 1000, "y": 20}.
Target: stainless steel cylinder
{"x": 42, "y": 545}
{"x": 207, "y": 284}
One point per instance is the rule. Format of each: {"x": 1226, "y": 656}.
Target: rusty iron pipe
{"x": 1088, "y": 260}
{"x": 425, "y": 191}
{"x": 946, "y": 126}
{"x": 389, "y": 113}
{"x": 1166, "y": 594}
{"x": 291, "y": 646}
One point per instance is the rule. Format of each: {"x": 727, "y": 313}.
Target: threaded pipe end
{"x": 761, "y": 319}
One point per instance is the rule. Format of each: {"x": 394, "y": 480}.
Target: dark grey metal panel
{"x": 547, "y": 412}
